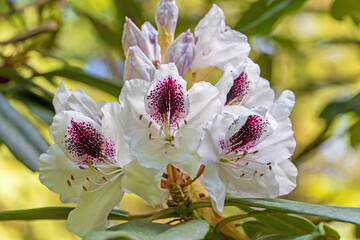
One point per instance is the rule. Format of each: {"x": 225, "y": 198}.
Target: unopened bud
{"x": 166, "y": 15}
{"x": 132, "y": 36}
{"x": 137, "y": 65}
{"x": 181, "y": 52}
{"x": 151, "y": 36}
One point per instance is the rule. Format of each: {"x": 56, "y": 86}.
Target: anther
{"x": 185, "y": 122}
{"x": 269, "y": 163}
{"x": 72, "y": 177}
{"x": 150, "y": 124}
{"x": 255, "y": 172}
{"x": 177, "y": 125}
{"x": 247, "y": 163}
{"x": 140, "y": 117}
{"x": 81, "y": 167}
{"x": 69, "y": 183}
{"x": 105, "y": 178}
{"x": 85, "y": 189}
{"x": 87, "y": 178}
{"x": 242, "y": 175}
{"x": 261, "y": 174}
{"x": 149, "y": 136}
{"x": 270, "y": 167}
{"x": 172, "y": 138}
{"x": 256, "y": 152}
{"x": 236, "y": 151}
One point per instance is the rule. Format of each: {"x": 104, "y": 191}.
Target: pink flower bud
{"x": 166, "y": 15}
{"x": 137, "y": 65}
{"x": 181, "y": 52}
{"x": 132, "y": 36}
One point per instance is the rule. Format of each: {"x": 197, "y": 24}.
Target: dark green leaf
{"x": 129, "y": 8}
{"x": 38, "y": 105}
{"x": 344, "y": 214}
{"x": 355, "y": 135}
{"x": 342, "y": 106}
{"x": 287, "y": 224}
{"x": 211, "y": 235}
{"x": 60, "y": 213}
{"x": 255, "y": 229}
{"x": 77, "y": 74}
{"x": 357, "y": 231}
{"x": 341, "y": 8}
{"x": 142, "y": 230}
{"x": 262, "y": 15}
{"x": 272, "y": 237}
{"x": 20, "y": 136}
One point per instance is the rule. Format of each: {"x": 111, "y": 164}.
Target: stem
{"x": 242, "y": 216}
{"x": 200, "y": 172}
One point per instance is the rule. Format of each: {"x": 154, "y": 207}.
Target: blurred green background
{"x": 310, "y": 47}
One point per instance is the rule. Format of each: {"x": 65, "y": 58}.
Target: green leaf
{"x": 355, "y": 135}
{"x": 344, "y": 214}
{"x": 341, "y": 106}
{"x": 37, "y": 104}
{"x": 321, "y": 232}
{"x": 341, "y": 8}
{"x": 254, "y": 229}
{"x": 20, "y": 136}
{"x": 263, "y": 14}
{"x": 77, "y": 74}
{"x": 60, "y": 213}
{"x": 142, "y": 230}
{"x": 211, "y": 235}
{"x": 357, "y": 231}
{"x": 287, "y": 224}
{"x": 129, "y": 8}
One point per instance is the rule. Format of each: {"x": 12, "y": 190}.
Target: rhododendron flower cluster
{"x": 171, "y": 128}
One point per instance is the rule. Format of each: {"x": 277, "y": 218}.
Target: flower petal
{"x": 80, "y": 138}
{"x": 132, "y": 36}
{"x": 167, "y": 15}
{"x": 93, "y": 209}
{"x": 151, "y": 35}
{"x": 204, "y": 104}
{"x": 113, "y": 130}
{"x": 217, "y": 44}
{"x": 142, "y": 181}
{"x": 132, "y": 100}
{"x": 216, "y": 185}
{"x": 56, "y": 169}
{"x": 185, "y": 156}
{"x": 262, "y": 95}
{"x": 285, "y": 174}
{"x": 137, "y": 65}
{"x": 61, "y": 96}
{"x": 181, "y": 52}
{"x": 283, "y": 105}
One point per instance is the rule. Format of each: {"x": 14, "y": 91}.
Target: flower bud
{"x": 166, "y": 15}
{"x": 181, "y": 52}
{"x": 151, "y": 36}
{"x": 137, "y": 65}
{"x": 132, "y": 36}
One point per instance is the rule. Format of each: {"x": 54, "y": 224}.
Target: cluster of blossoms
{"x": 171, "y": 127}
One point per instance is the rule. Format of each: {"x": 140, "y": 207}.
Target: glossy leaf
{"x": 344, "y": 214}
{"x": 20, "y": 136}
{"x": 142, "y": 230}
{"x": 263, "y": 14}
{"x": 107, "y": 85}
{"x": 288, "y": 223}
{"x": 254, "y": 229}
{"x": 60, "y": 213}
{"x": 341, "y": 106}
{"x": 322, "y": 232}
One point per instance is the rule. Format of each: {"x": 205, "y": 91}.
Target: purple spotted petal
{"x": 238, "y": 90}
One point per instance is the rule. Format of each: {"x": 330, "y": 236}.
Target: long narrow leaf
{"x": 77, "y": 74}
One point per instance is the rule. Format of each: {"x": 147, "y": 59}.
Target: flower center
{"x": 246, "y": 137}
{"x": 85, "y": 142}
{"x": 238, "y": 90}
{"x": 166, "y": 104}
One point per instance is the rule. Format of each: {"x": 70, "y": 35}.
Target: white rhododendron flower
{"x": 214, "y": 43}
{"x": 91, "y": 164}
{"x": 246, "y": 152}
{"x": 242, "y": 85}
{"x": 163, "y": 121}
